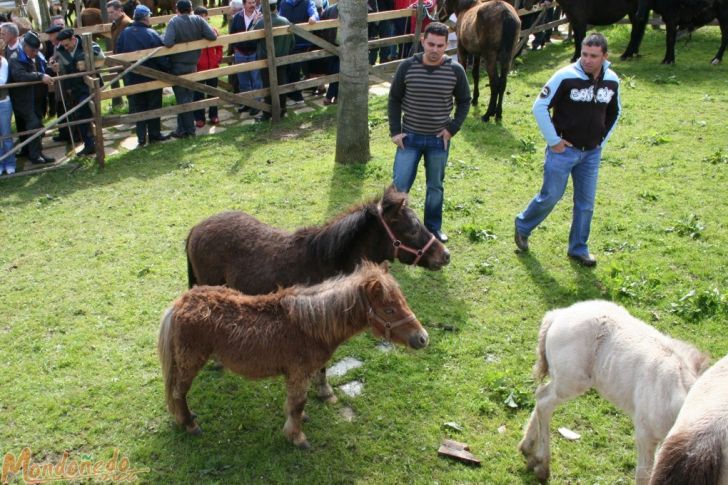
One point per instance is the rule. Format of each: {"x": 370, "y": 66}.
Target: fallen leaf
{"x": 568, "y": 434}
{"x": 454, "y": 426}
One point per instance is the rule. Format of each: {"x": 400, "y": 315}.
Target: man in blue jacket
{"x": 26, "y": 64}
{"x": 297, "y": 12}
{"x": 138, "y": 36}
{"x": 584, "y": 99}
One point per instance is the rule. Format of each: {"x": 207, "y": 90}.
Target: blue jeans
{"x": 583, "y": 165}
{"x": 185, "y": 121}
{"x": 405, "y": 169}
{"x": 248, "y": 81}
{"x": 6, "y": 112}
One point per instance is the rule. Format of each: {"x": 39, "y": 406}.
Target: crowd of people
{"x": 25, "y": 59}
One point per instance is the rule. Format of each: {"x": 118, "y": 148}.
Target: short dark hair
{"x": 65, "y": 34}
{"x": 184, "y": 6}
{"x": 596, "y": 39}
{"x": 200, "y": 10}
{"x": 436, "y": 28}
{"x": 115, "y": 4}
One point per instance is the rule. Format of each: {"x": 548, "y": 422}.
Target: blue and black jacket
{"x": 584, "y": 110}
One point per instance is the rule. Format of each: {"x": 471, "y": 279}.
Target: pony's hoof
{"x": 304, "y": 417}
{"x": 303, "y": 445}
{"x": 485, "y": 118}
{"x": 329, "y": 399}
{"x": 715, "y": 62}
{"x": 194, "y": 429}
{"x": 542, "y": 473}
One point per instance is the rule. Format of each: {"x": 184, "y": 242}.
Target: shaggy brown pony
{"x": 237, "y": 250}
{"x": 490, "y": 30}
{"x": 292, "y": 332}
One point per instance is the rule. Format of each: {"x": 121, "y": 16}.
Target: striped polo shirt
{"x": 421, "y": 97}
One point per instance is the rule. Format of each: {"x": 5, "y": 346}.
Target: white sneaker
{"x": 293, "y": 102}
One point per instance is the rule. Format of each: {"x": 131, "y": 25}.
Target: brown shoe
{"x": 587, "y": 260}
{"x": 521, "y": 241}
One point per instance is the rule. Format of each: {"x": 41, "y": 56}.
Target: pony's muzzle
{"x": 419, "y": 340}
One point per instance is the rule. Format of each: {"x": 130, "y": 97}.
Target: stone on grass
{"x": 347, "y": 414}
{"x": 384, "y": 346}
{"x": 352, "y": 389}
{"x": 343, "y": 366}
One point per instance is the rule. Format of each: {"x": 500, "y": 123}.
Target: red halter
{"x": 399, "y": 245}
{"x": 388, "y": 326}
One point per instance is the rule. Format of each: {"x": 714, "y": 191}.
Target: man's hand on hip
{"x": 399, "y": 140}
{"x": 445, "y": 135}
{"x": 560, "y": 146}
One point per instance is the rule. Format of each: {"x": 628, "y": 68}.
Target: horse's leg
{"x": 670, "y": 39}
{"x": 638, "y": 19}
{"x": 463, "y": 57}
{"x": 502, "y": 82}
{"x": 723, "y": 21}
{"x": 476, "y": 78}
{"x": 183, "y": 415}
{"x": 491, "y": 66}
{"x": 579, "y": 34}
{"x": 535, "y": 445}
{"x": 646, "y": 446}
{"x": 297, "y": 387}
{"x": 323, "y": 389}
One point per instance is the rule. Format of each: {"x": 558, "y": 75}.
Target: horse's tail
{"x": 166, "y": 357}
{"x": 191, "y": 278}
{"x": 690, "y": 457}
{"x": 541, "y": 368}
{"x": 509, "y": 36}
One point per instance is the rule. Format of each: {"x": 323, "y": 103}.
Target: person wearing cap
{"x": 72, "y": 59}
{"x": 282, "y": 46}
{"x": 26, "y": 65}
{"x": 139, "y": 36}
{"x": 185, "y": 27}
{"x": 49, "y": 50}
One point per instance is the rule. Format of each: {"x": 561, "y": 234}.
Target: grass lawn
{"x": 89, "y": 259}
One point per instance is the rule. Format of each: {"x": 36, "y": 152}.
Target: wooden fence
{"x": 113, "y": 64}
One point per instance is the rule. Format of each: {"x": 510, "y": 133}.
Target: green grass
{"x": 90, "y": 258}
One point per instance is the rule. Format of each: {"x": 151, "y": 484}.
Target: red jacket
{"x": 428, "y": 4}
{"x": 210, "y": 57}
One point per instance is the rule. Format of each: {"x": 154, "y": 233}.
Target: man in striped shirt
{"x": 420, "y": 104}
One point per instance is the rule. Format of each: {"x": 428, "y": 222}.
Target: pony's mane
{"x": 333, "y": 240}
{"x": 327, "y": 309}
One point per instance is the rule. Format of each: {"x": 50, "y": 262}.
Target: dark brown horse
{"x": 237, "y": 250}
{"x": 292, "y": 332}
{"x": 489, "y": 30}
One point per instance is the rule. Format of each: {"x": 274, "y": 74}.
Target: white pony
{"x": 598, "y": 344}
{"x": 696, "y": 448}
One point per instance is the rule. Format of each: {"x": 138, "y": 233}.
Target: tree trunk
{"x": 352, "y": 135}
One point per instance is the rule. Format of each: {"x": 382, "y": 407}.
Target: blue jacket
{"x": 138, "y": 36}
{"x": 298, "y": 12}
{"x": 585, "y": 110}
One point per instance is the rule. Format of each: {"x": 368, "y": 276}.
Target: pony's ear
{"x": 385, "y": 266}
{"x": 393, "y": 199}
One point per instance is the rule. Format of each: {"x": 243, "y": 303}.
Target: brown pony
{"x": 488, "y": 29}
{"x": 237, "y": 250}
{"x": 292, "y": 332}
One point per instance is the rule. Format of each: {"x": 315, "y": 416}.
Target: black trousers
{"x": 146, "y": 101}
